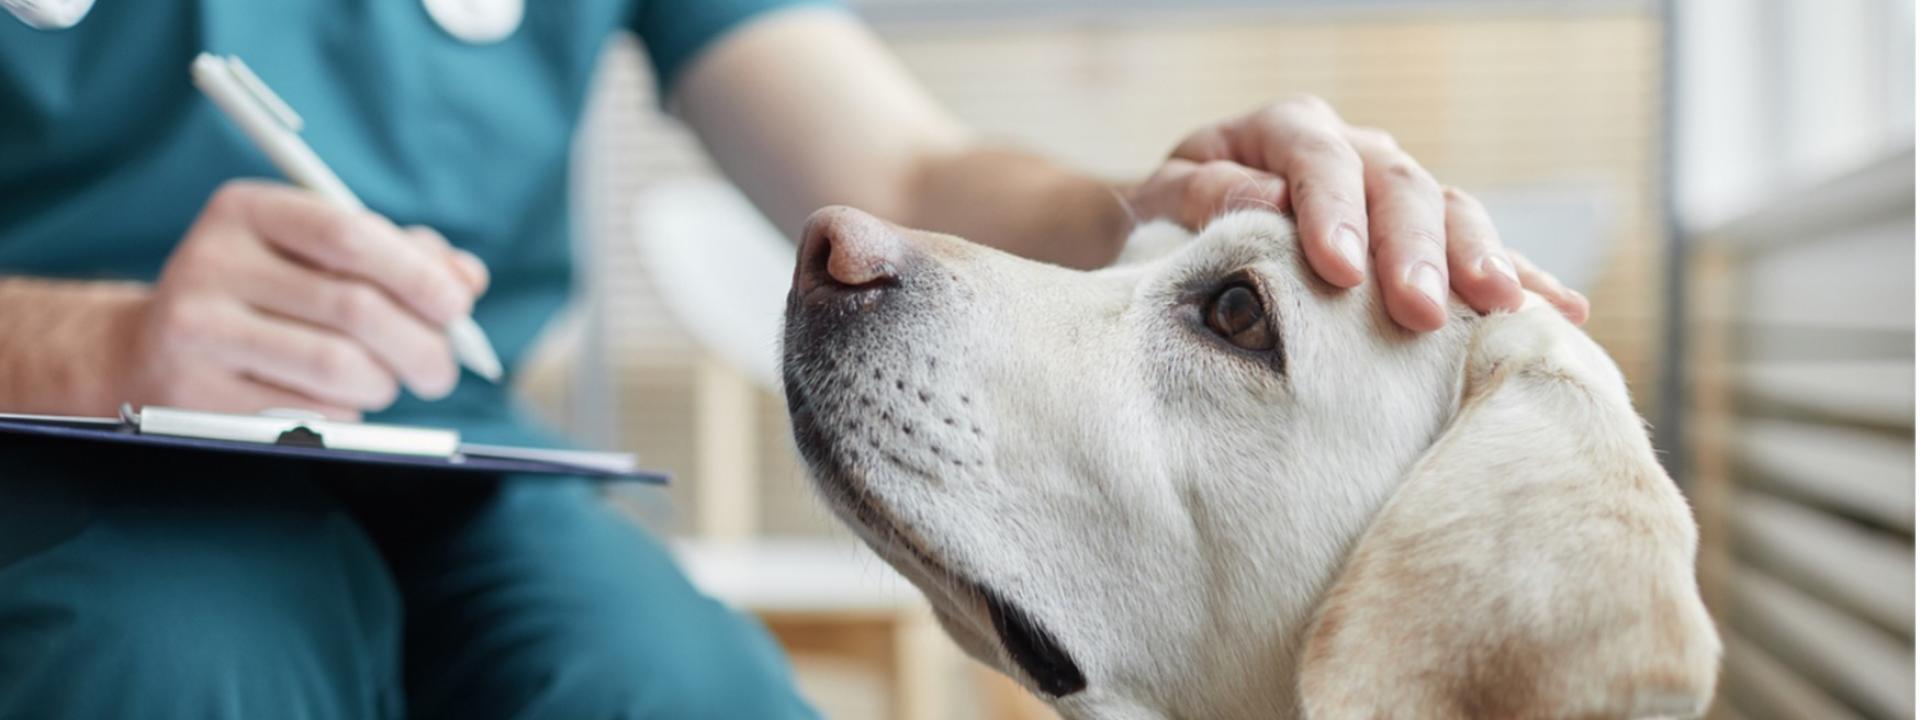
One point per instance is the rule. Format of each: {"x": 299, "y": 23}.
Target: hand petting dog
{"x": 1353, "y": 192}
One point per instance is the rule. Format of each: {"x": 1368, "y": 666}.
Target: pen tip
{"x": 486, "y": 366}
{"x": 471, "y": 347}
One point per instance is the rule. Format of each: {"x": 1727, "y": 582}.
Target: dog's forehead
{"x": 1264, "y": 235}
{"x": 1241, "y": 240}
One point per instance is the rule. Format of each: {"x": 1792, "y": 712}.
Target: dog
{"x": 1209, "y": 485}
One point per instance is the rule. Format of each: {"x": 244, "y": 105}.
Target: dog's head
{"x": 1209, "y": 485}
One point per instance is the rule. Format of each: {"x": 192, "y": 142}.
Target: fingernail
{"x": 1554, "y": 286}
{"x": 1499, "y": 266}
{"x": 1351, "y": 248}
{"x": 475, "y": 267}
{"x": 1577, "y": 305}
{"x": 453, "y": 304}
{"x": 1426, "y": 278}
{"x": 436, "y": 388}
{"x": 425, "y": 392}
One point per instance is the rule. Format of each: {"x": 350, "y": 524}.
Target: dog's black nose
{"x": 847, "y": 249}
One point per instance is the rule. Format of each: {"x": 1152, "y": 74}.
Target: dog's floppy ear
{"x": 1536, "y": 563}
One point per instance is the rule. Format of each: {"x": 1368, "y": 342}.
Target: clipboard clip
{"x": 302, "y": 436}
{"x": 293, "y": 428}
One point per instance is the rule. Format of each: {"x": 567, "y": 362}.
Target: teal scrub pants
{"x": 161, "y": 586}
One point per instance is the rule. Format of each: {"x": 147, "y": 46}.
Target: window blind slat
{"x": 1870, "y": 392}
{"x": 1761, "y": 688}
{"x": 1865, "y": 667}
{"x": 1856, "y": 569}
{"x": 1863, "y": 474}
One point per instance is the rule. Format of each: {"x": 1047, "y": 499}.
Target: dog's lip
{"x": 1029, "y": 644}
{"x": 1033, "y": 648}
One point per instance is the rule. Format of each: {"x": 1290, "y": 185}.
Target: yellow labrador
{"x": 1210, "y": 486}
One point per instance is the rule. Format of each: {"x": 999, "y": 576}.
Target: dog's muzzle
{"x": 868, "y": 403}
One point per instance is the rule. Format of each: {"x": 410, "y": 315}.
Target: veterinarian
{"x": 143, "y": 259}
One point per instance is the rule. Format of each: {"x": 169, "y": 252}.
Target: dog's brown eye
{"x": 1236, "y": 313}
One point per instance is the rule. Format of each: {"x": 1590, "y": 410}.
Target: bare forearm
{"x": 59, "y": 341}
{"x": 807, "y": 109}
{"x": 1020, "y": 203}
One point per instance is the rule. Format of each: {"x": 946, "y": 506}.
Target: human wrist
{"x": 78, "y": 350}
{"x": 123, "y": 309}
{"x": 1101, "y": 220}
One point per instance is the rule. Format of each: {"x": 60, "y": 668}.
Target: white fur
{"x": 1398, "y": 525}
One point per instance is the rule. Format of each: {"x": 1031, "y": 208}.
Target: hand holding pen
{"x": 280, "y": 297}
{"x": 274, "y": 127}
{"x": 275, "y": 299}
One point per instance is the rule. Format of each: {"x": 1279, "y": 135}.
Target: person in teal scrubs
{"x": 148, "y": 255}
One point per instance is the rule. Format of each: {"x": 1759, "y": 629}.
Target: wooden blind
{"x": 1804, "y": 422}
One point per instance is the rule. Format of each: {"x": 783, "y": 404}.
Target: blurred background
{"x": 1730, "y": 181}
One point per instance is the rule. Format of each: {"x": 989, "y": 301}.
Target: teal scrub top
{"x": 107, "y": 152}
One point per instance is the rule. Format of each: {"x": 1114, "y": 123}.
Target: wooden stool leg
{"x": 727, "y": 492}
{"x": 920, "y": 667}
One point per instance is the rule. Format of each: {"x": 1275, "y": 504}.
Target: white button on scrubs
{"x": 477, "y": 21}
{"x": 474, "y": 21}
{"x": 48, "y": 14}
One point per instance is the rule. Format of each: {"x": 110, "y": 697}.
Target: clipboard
{"x": 298, "y": 435}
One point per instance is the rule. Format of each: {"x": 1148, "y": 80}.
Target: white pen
{"x": 274, "y": 127}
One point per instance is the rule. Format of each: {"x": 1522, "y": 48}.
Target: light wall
{"x": 1778, "y": 94}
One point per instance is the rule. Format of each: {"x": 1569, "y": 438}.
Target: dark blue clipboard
{"x": 473, "y": 465}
